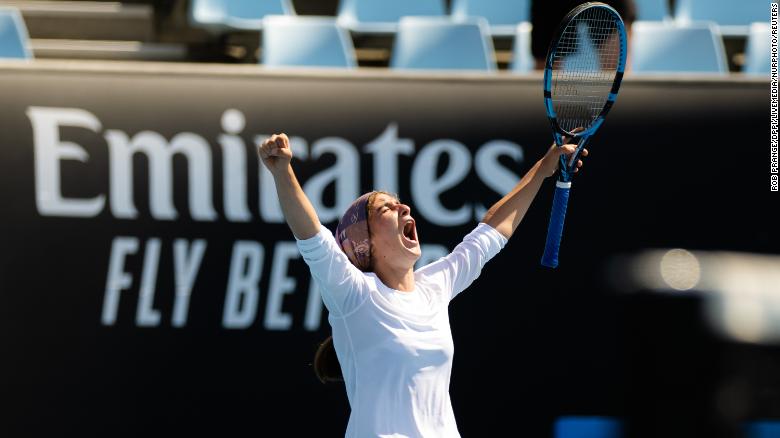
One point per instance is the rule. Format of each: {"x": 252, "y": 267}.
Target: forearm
{"x": 298, "y": 211}
{"x": 506, "y": 214}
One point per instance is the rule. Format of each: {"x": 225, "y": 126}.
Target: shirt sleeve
{"x": 343, "y": 286}
{"x": 464, "y": 264}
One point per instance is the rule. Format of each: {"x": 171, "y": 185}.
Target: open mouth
{"x": 410, "y": 232}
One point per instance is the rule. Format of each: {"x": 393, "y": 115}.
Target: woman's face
{"x": 393, "y": 232}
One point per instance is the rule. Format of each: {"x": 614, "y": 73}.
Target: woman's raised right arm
{"x": 276, "y": 154}
{"x": 342, "y": 286}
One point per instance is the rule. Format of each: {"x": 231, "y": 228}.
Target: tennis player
{"x": 391, "y": 329}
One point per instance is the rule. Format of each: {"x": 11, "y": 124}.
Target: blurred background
{"x": 149, "y": 285}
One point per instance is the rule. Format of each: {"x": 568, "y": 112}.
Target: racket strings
{"x": 584, "y": 67}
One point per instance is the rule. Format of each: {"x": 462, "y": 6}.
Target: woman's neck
{"x": 401, "y": 279}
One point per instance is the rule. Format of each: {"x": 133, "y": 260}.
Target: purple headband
{"x": 352, "y": 233}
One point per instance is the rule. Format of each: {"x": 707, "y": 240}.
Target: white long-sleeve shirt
{"x": 395, "y": 348}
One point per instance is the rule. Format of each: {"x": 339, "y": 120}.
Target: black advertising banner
{"x": 148, "y": 283}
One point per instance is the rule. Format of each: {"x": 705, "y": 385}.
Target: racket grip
{"x": 555, "y": 229}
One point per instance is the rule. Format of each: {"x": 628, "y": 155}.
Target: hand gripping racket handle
{"x": 555, "y": 229}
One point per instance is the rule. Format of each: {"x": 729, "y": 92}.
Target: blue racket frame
{"x": 566, "y": 168}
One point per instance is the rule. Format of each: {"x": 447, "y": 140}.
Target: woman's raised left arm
{"x": 506, "y": 214}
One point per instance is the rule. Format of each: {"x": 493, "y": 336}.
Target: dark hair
{"x": 326, "y": 364}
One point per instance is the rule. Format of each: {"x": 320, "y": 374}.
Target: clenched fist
{"x": 276, "y": 153}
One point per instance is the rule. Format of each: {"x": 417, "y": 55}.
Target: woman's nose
{"x": 404, "y": 209}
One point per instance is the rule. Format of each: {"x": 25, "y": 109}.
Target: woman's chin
{"x": 411, "y": 245}
{"x": 415, "y": 251}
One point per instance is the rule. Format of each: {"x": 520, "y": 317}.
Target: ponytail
{"x": 326, "y": 364}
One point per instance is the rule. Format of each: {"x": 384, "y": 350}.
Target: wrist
{"x": 284, "y": 173}
{"x": 539, "y": 170}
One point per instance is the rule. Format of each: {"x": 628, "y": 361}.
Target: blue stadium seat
{"x": 306, "y": 41}
{"x": 762, "y": 429}
{"x": 220, "y": 16}
{"x": 663, "y": 47}
{"x": 522, "y": 58}
{"x": 436, "y": 43}
{"x": 382, "y": 16}
{"x": 758, "y": 49}
{"x": 588, "y": 427}
{"x": 733, "y": 17}
{"x": 502, "y": 15}
{"x": 13, "y": 35}
{"x": 652, "y": 10}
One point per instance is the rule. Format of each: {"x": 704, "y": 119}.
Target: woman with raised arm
{"x": 391, "y": 331}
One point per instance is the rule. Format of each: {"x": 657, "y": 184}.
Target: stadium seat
{"x": 502, "y": 15}
{"x": 587, "y": 427}
{"x": 522, "y": 57}
{"x": 306, "y": 41}
{"x": 382, "y": 16}
{"x": 762, "y": 429}
{"x": 220, "y": 16}
{"x": 663, "y": 47}
{"x": 13, "y": 35}
{"x": 758, "y": 49}
{"x": 436, "y": 43}
{"x": 733, "y": 17}
{"x": 652, "y": 10}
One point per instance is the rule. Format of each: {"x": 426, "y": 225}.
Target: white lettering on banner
{"x": 242, "y": 296}
{"x": 242, "y": 293}
{"x": 118, "y": 280}
{"x": 494, "y": 176}
{"x": 311, "y": 321}
{"x": 234, "y": 167}
{"x": 49, "y": 151}
{"x": 243, "y": 290}
{"x": 344, "y": 174}
{"x": 279, "y": 286}
{"x": 186, "y": 261}
{"x": 146, "y": 315}
{"x": 426, "y": 187}
{"x": 160, "y": 154}
{"x": 385, "y": 149}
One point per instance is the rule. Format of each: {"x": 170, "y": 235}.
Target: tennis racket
{"x": 585, "y": 64}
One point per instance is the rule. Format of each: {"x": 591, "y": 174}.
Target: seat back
{"x": 506, "y": 12}
{"x": 306, "y": 41}
{"x": 757, "y": 51}
{"x": 722, "y": 12}
{"x": 14, "y": 41}
{"x": 652, "y": 10}
{"x": 442, "y": 43}
{"x": 522, "y": 58}
{"x": 384, "y": 15}
{"x": 660, "y": 47}
{"x": 762, "y": 429}
{"x": 588, "y": 427}
{"x": 257, "y": 9}
{"x": 225, "y": 15}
